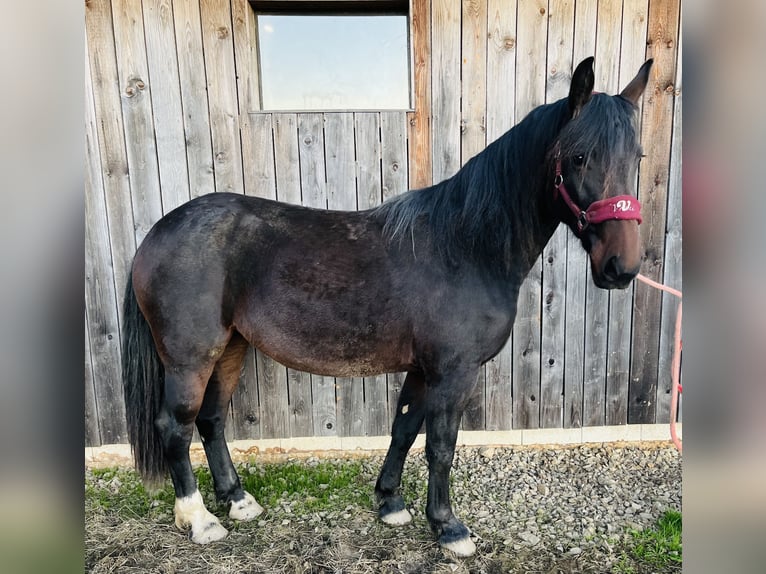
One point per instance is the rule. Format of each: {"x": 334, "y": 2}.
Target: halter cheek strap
{"x": 618, "y": 207}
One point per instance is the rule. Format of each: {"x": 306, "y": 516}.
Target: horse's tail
{"x": 143, "y": 379}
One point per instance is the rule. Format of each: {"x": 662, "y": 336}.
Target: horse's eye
{"x": 578, "y": 160}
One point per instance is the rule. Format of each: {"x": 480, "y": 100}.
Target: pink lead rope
{"x": 628, "y": 207}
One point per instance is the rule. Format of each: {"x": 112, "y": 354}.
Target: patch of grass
{"x": 659, "y": 547}
{"x": 325, "y": 484}
{"x": 122, "y": 492}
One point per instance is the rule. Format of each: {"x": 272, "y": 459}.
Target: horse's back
{"x": 314, "y": 289}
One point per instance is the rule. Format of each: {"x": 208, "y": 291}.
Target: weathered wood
{"x": 632, "y": 56}
{"x": 445, "y": 66}
{"x": 420, "y": 119}
{"x": 218, "y": 48}
{"x": 314, "y": 194}
{"x": 100, "y": 296}
{"x": 473, "y": 140}
{"x": 288, "y": 186}
{"x": 341, "y": 194}
{"x": 245, "y": 406}
{"x": 577, "y": 260}
{"x": 113, "y": 162}
{"x": 394, "y": 170}
{"x": 245, "y": 30}
{"x": 530, "y": 93}
{"x": 274, "y": 406}
{"x": 369, "y": 194}
{"x": 554, "y": 260}
{"x": 92, "y": 435}
{"x": 673, "y": 249}
{"x": 197, "y": 64}
{"x": 191, "y": 72}
{"x": 141, "y": 148}
{"x": 165, "y": 91}
{"x": 501, "y": 69}
{"x": 657, "y": 127}
{"x": 597, "y": 320}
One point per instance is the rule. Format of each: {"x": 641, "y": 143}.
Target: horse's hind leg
{"x": 410, "y": 411}
{"x": 184, "y": 391}
{"x": 211, "y": 422}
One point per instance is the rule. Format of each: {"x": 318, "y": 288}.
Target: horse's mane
{"x": 488, "y": 209}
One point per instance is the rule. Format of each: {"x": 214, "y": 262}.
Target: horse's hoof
{"x": 393, "y": 512}
{"x": 245, "y": 509}
{"x": 463, "y": 547}
{"x": 207, "y": 533}
{"x": 398, "y": 518}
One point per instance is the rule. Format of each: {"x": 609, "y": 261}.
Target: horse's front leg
{"x": 410, "y": 412}
{"x": 445, "y": 403}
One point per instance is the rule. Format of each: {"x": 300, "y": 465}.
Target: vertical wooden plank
{"x": 110, "y": 134}
{"x": 501, "y": 67}
{"x": 445, "y": 88}
{"x": 632, "y": 55}
{"x": 246, "y": 409}
{"x": 103, "y": 335}
{"x": 341, "y": 195}
{"x": 530, "y": 93}
{"x": 577, "y": 260}
{"x": 141, "y": 148}
{"x": 288, "y": 184}
{"x": 272, "y": 394}
{"x": 673, "y": 248}
{"x": 420, "y": 119}
{"x": 194, "y": 99}
{"x": 92, "y": 436}
{"x": 609, "y": 28}
{"x": 369, "y": 194}
{"x": 560, "y": 45}
{"x": 218, "y": 49}
{"x": 394, "y": 169}
{"x": 314, "y": 194}
{"x": 501, "y": 90}
{"x": 657, "y": 129}
{"x": 245, "y": 56}
{"x": 473, "y": 140}
{"x": 166, "y": 102}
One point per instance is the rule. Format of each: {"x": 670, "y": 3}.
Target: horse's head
{"x": 596, "y": 162}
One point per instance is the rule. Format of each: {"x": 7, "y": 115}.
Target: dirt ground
{"x": 348, "y": 539}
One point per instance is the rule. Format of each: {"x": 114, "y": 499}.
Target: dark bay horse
{"x": 426, "y": 283}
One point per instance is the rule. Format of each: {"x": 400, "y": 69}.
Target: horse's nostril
{"x": 613, "y": 268}
{"x": 615, "y": 273}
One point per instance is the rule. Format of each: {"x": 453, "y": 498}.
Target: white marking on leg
{"x": 245, "y": 509}
{"x": 463, "y": 547}
{"x": 398, "y": 518}
{"x": 405, "y": 409}
{"x": 191, "y": 513}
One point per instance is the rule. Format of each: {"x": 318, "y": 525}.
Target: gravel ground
{"x": 549, "y": 510}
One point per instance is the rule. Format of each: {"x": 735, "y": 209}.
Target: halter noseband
{"x": 618, "y": 207}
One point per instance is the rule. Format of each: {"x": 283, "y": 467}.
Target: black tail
{"x": 143, "y": 379}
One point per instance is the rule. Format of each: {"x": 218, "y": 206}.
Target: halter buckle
{"x": 582, "y": 221}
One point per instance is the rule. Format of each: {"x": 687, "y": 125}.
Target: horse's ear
{"x": 581, "y": 89}
{"x": 637, "y": 85}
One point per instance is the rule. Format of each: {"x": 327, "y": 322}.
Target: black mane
{"x": 487, "y": 211}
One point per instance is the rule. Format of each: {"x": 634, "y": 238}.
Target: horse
{"x": 425, "y": 283}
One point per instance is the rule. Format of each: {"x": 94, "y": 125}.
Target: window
{"x": 333, "y": 55}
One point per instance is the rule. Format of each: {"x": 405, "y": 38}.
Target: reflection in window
{"x": 333, "y": 62}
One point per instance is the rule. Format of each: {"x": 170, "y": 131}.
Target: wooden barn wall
{"x": 172, "y": 112}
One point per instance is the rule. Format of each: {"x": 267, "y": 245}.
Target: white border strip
{"x": 244, "y": 450}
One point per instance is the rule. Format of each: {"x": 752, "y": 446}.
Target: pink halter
{"x": 618, "y": 207}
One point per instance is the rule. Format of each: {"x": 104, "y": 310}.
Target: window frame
{"x": 331, "y": 8}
